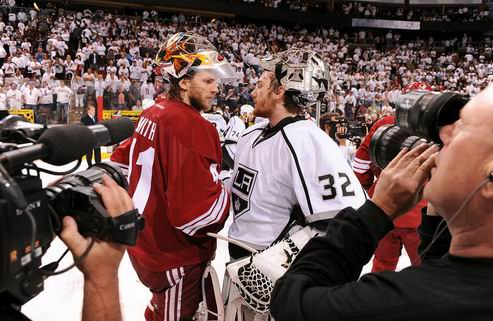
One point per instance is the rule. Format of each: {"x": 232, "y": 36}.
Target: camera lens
{"x": 87, "y": 178}
{"x": 424, "y": 113}
{"x": 388, "y": 141}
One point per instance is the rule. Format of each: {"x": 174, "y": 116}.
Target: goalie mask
{"x": 300, "y": 71}
{"x": 186, "y": 52}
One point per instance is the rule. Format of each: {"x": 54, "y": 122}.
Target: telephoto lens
{"x": 423, "y": 113}
{"x": 74, "y": 196}
{"x": 88, "y": 178}
{"x": 388, "y": 141}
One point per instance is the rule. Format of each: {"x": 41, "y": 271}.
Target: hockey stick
{"x": 233, "y": 241}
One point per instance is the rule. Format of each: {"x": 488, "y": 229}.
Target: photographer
{"x": 323, "y": 281}
{"x": 331, "y": 124}
{"x": 100, "y": 267}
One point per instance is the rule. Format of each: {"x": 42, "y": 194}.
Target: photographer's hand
{"x": 400, "y": 185}
{"x": 100, "y": 267}
{"x": 341, "y": 132}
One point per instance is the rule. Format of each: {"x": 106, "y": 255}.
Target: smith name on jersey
{"x": 292, "y": 163}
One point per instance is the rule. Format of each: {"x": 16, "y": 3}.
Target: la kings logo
{"x": 243, "y": 185}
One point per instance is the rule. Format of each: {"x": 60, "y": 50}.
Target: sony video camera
{"x": 31, "y": 216}
{"x": 419, "y": 117}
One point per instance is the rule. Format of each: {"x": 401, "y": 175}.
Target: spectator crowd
{"x": 364, "y": 9}
{"x": 50, "y": 61}
{"x": 400, "y": 12}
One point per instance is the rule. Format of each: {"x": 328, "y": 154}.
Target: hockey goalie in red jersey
{"x": 173, "y": 162}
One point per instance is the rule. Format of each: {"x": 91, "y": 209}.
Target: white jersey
{"x": 260, "y": 120}
{"x": 293, "y": 163}
{"x": 232, "y": 134}
{"x": 218, "y": 122}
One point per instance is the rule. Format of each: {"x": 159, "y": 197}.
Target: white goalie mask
{"x": 300, "y": 71}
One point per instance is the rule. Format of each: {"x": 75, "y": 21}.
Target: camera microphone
{"x": 109, "y": 132}
{"x": 63, "y": 144}
{"x": 113, "y": 131}
{"x": 56, "y": 146}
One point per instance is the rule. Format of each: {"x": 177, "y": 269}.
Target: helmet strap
{"x": 279, "y": 73}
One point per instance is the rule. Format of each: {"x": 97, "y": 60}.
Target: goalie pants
{"x": 389, "y": 249}
{"x": 176, "y": 293}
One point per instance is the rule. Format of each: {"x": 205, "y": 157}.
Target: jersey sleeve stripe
{"x": 213, "y": 221}
{"x": 198, "y": 219}
{"x": 362, "y": 167}
{"x": 205, "y": 219}
{"x": 359, "y": 171}
{"x": 300, "y": 173}
{"x": 210, "y": 220}
{"x": 362, "y": 161}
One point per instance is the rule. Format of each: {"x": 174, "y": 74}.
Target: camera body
{"x": 20, "y": 278}
{"x": 420, "y": 115}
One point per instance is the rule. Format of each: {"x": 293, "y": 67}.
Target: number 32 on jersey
{"x": 330, "y": 186}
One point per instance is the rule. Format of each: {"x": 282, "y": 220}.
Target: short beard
{"x": 199, "y": 105}
{"x": 263, "y": 114}
{"x": 266, "y": 113}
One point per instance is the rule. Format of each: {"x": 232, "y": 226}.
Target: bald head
{"x": 479, "y": 111}
{"x": 466, "y": 157}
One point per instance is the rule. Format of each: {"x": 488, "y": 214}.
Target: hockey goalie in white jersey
{"x": 287, "y": 174}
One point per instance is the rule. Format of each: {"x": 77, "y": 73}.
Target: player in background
{"x": 287, "y": 167}
{"x": 228, "y": 135}
{"x": 173, "y": 162}
{"x": 218, "y": 121}
{"x": 235, "y": 128}
{"x": 405, "y": 232}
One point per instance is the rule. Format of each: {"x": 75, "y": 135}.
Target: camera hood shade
{"x": 424, "y": 113}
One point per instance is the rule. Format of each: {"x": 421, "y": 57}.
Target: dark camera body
{"x": 420, "y": 115}
{"x": 20, "y": 278}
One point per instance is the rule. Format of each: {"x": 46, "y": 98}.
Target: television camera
{"x": 31, "y": 216}
{"x": 356, "y": 128}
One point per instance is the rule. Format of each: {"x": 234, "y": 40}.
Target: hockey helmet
{"x": 187, "y": 52}
{"x": 300, "y": 71}
{"x": 246, "y": 111}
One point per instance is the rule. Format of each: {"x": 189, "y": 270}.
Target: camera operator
{"x": 100, "y": 267}
{"x": 323, "y": 281}
{"x": 330, "y": 123}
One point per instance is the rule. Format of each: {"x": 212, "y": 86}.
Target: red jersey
{"x": 366, "y": 172}
{"x": 173, "y": 162}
